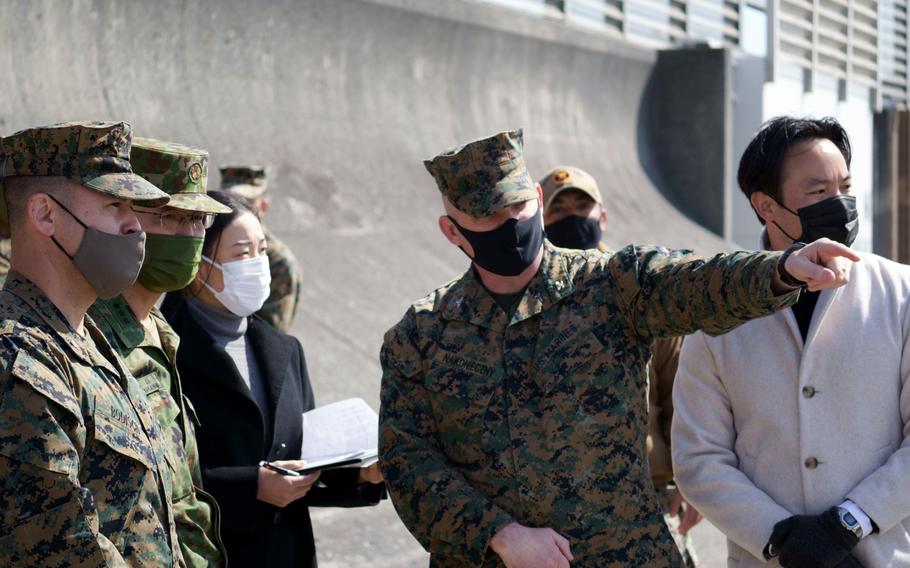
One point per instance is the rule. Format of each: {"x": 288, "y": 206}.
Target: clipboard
{"x": 359, "y": 459}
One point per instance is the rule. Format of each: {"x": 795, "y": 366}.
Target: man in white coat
{"x": 790, "y": 432}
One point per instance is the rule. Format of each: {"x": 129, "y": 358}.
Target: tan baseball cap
{"x": 561, "y": 178}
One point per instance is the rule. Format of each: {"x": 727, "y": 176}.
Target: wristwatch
{"x": 849, "y": 522}
{"x": 785, "y": 276}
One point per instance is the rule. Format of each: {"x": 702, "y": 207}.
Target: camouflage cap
{"x": 93, "y": 154}
{"x": 484, "y": 176}
{"x": 178, "y": 170}
{"x": 248, "y": 182}
{"x": 562, "y": 178}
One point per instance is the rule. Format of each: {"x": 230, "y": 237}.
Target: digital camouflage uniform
{"x": 661, "y": 370}
{"x": 83, "y": 475}
{"x": 280, "y": 308}
{"x": 150, "y": 353}
{"x": 541, "y": 418}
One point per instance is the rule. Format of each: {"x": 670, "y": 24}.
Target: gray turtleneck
{"x": 229, "y": 332}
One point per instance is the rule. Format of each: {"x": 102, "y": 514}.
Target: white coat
{"x": 766, "y": 427}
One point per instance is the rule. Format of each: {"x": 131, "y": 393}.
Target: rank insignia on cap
{"x": 195, "y": 172}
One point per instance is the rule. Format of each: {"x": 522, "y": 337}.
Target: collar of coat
{"x": 467, "y": 300}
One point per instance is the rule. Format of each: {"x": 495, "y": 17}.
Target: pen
{"x": 278, "y": 469}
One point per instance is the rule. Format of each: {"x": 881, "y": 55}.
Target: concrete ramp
{"x": 343, "y": 99}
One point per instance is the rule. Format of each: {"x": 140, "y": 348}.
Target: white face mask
{"x": 246, "y": 284}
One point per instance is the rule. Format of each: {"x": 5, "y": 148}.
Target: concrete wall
{"x": 343, "y": 99}
{"x": 749, "y": 80}
{"x": 686, "y": 122}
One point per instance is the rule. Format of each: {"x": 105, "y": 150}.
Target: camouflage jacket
{"x": 542, "y": 419}
{"x": 284, "y": 292}
{"x": 150, "y": 356}
{"x": 6, "y": 253}
{"x": 83, "y": 477}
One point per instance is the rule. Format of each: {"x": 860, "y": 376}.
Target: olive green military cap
{"x": 95, "y": 155}
{"x": 248, "y": 182}
{"x": 482, "y": 177}
{"x": 563, "y": 178}
{"x": 178, "y": 170}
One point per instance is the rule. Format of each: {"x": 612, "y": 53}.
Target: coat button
{"x": 811, "y": 463}
{"x": 808, "y": 392}
{"x": 277, "y": 518}
{"x": 283, "y": 445}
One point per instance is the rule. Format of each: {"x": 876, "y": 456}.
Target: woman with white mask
{"x": 249, "y": 385}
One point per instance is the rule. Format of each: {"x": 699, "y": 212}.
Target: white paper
{"x": 338, "y": 431}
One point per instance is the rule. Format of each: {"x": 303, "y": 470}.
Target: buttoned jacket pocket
{"x": 582, "y": 367}
{"x": 118, "y": 431}
{"x": 164, "y": 407}
{"x": 461, "y": 394}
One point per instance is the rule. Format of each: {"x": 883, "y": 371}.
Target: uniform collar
{"x": 116, "y": 315}
{"x": 116, "y": 319}
{"x": 170, "y": 341}
{"x": 467, "y": 299}
{"x": 45, "y": 310}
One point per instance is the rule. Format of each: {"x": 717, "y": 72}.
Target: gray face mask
{"x": 109, "y": 263}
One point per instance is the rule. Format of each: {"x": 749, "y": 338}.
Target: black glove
{"x": 819, "y": 541}
{"x": 849, "y": 562}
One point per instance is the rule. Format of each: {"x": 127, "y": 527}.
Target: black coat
{"x": 233, "y": 437}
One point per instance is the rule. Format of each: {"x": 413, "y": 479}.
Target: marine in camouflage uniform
{"x": 149, "y": 350}
{"x": 586, "y": 202}
{"x": 250, "y": 184}
{"x": 84, "y": 481}
{"x": 540, "y": 417}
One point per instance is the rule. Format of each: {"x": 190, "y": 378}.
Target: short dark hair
{"x": 760, "y": 165}
{"x": 17, "y": 190}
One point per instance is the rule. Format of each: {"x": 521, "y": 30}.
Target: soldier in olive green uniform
{"x": 84, "y": 480}
{"x": 250, "y": 184}
{"x": 574, "y": 217}
{"x": 148, "y": 345}
{"x": 513, "y": 403}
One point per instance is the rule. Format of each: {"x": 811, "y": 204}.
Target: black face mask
{"x": 834, "y": 218}
{"x": 575, "y": 232}
{"x": 507, "y": 250}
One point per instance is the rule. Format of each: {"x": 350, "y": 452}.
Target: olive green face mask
{"x": 171, "y": 261}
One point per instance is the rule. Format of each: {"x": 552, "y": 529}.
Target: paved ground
{"x": 375, "y": 538}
